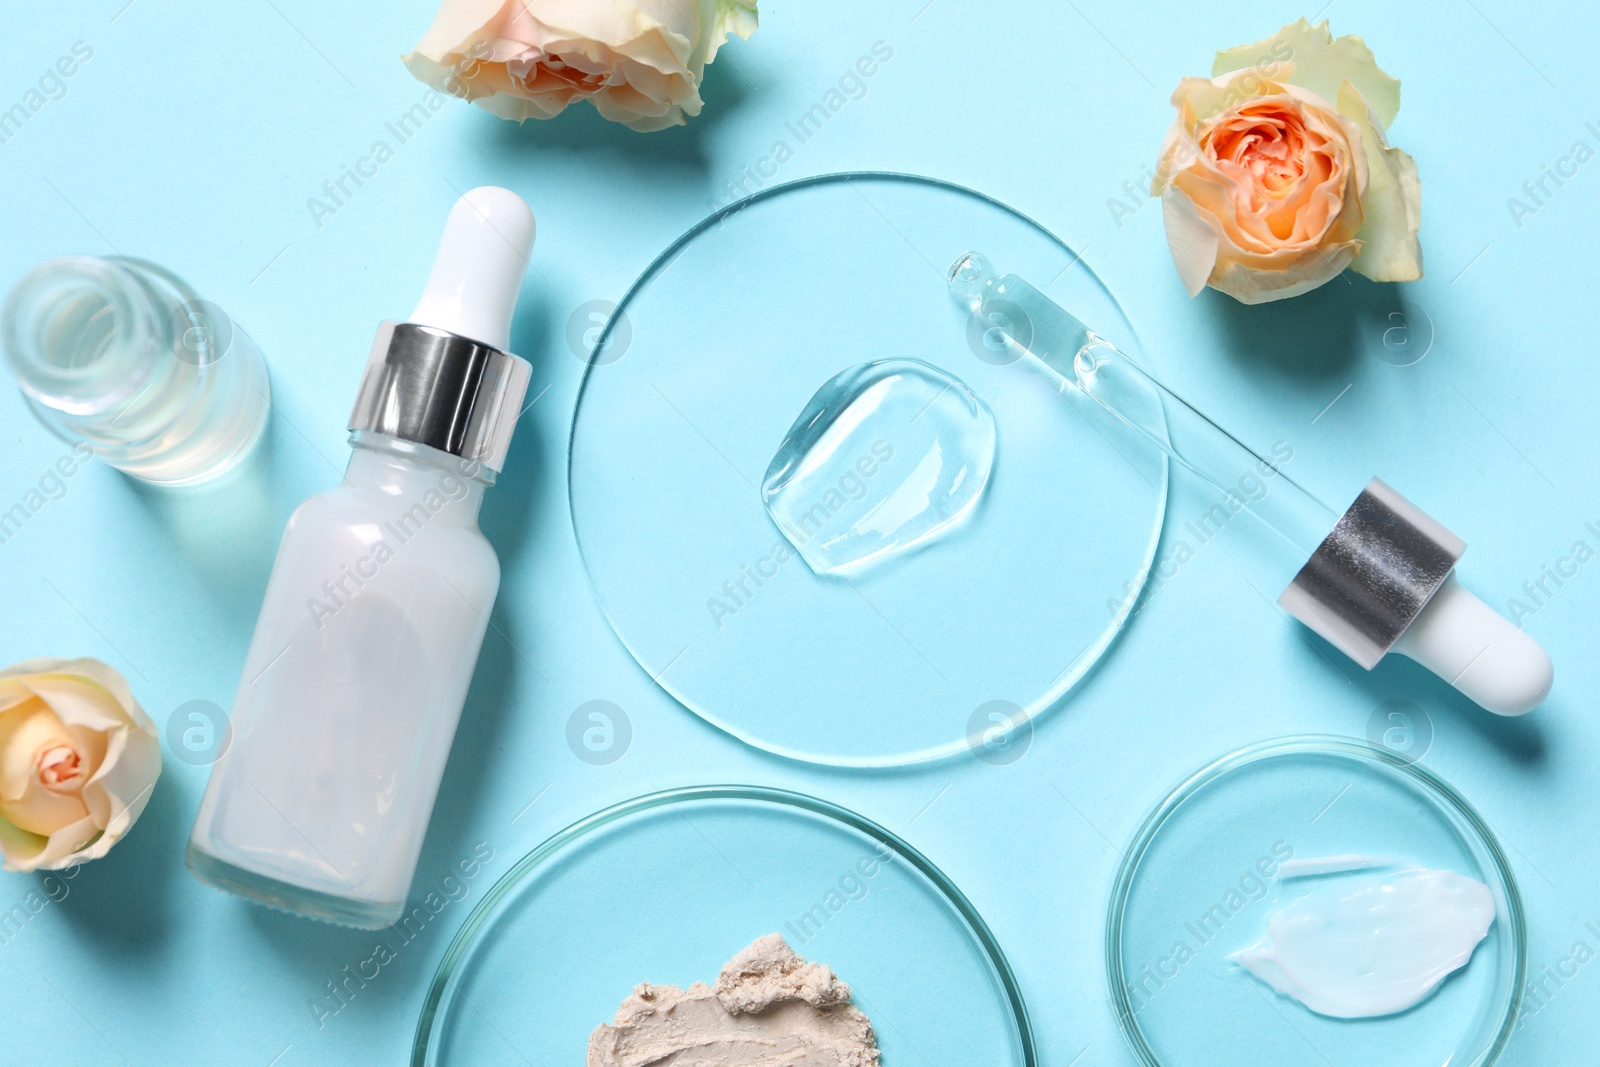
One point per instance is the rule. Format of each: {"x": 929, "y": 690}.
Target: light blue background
{"x": 196, "y": 134}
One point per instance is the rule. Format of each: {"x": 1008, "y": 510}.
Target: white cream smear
{"x": 1364, "y": 944}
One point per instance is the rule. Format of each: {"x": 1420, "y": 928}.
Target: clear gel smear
{"x": 886, "y": 456}
{"x": 1365, "y": 944}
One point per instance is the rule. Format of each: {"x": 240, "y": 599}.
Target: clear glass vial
{"x": 377, "y": 606}
{"x": 122, "y": 355}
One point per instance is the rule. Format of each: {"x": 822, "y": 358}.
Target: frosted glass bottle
{"x": 377, "y": 606}
{"x": 360, "y": 663}
{"x": 122, "y": 355}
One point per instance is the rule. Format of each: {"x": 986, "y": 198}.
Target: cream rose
{"x": 1276, "y": 175}
{"x": 639, "y": 62}
{"x": 78, "y": 759}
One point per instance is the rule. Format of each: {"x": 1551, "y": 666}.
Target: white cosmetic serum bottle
{"x": 377, "y": 605}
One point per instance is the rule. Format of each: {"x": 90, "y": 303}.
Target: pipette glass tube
{"x": 1374, "y": 578}
{"x": 1077, "y": 361}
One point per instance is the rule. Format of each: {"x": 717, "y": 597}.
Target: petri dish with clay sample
{"x": 689, "y": 886}
{"x": 829, "y": 511}
{"x": 1316, "y": 901}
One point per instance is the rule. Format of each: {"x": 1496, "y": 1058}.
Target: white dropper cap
{"x": 1383, "y": 581}
{"x": 445, "y": 377}
{"x": 1479, "y": 651}
{"x": 477, "y": 274}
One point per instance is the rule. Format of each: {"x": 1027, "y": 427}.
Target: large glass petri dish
{"x": 667, "y": 887}
{"x": 1190, "y": 892}
{"x": 693, "y": 383}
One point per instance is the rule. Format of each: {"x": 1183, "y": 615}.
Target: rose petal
{"x": 1320, "y": 63}
{"x": 661, "y": 33}
{"x": 455, "y": 27}
{"x": 1307, "y": 271}
{"x": 117, "y": 795}
{"x": 75, "y": 672}
{"x": 28, "y": 731}
{"x": 25, "y": 731}
{"x": 1192, "y": 238}
{"x": 733, "y": 16}
{"x": 21, "y": 849}
{"x": 509, "y": 105}
{"x": 67, "y": 846}
{"x": 13, "y": 692}
{"x": 1393, "y": 203}
{"x": 1198, "y": 99}
{"x": 82, "y": 701}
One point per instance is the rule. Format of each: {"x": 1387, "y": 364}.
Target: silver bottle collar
{"x": 440, "y": 389}
{"x": 1373, "y": 574}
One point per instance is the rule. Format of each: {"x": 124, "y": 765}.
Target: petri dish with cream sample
{"x": 825, "y": 508}
{"x": 1315, "y": 900}
{"x": 672, "y": 888}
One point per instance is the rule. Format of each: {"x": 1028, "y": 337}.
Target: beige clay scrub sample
{"x": 768, "y": 1008}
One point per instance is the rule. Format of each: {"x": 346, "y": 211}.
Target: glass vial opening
{"x": 78, "y": 331}
{"x": 121, "y": 355}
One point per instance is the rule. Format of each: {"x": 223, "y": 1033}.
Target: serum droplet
{"x": 886, "y": 456}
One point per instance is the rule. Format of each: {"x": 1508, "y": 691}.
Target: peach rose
{"x": 1276, "y": 175}
{"x": 639, "y": 62}
{"x": 78, "y": 759}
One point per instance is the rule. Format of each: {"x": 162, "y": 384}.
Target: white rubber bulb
{"x": 472, "y": 290}
{"x": 1477, "y": 650}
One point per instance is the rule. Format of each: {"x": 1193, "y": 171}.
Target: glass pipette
{"x": 1377, "y": 577}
